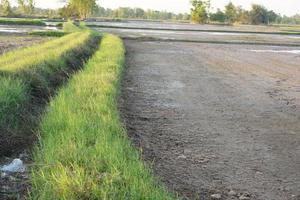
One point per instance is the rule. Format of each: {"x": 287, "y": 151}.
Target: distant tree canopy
{"x": 200, "y": 11}
{"x": 139, "y": 13}
{"x": 290, "y": 20}
{"x": 68, "y": 11}
{"x": 26, "y": 6}
{"x": 78, "y": 8}
{"x": 83, "y": 7}
{"x": 230, "y": 12}
{"x": 219, "y": 16}
{"x": 257, "y": 15}
{"x": 5, "y": 8}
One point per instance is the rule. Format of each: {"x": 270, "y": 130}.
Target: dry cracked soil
{"x": 216, "y": 121}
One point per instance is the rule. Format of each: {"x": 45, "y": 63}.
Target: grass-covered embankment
{"x": 84, "y": 151}
{"x": 48, "y": 33}
{"x": 15, "y": 21}
{"x": 28, "y": 78}
{"x": 67, "y": 28}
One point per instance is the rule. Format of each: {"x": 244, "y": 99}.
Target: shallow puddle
{"x": 24, "y": 29}
{"x": 277, "y": 51}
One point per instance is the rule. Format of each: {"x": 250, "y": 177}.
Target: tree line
{"x": 200, "y": 13}
{"x": 74, "y": 8}
{"x": 139, "y": 13}
{"x": 25, "y": 7}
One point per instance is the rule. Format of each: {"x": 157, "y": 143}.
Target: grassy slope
{"x": 14, "y": 21}
{"x": 48, "y": 33}
{"x": 68, "y": 27}
{"x": 84, "y": 151}
{"x": 29, "y": 75}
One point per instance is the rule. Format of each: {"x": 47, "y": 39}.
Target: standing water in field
{"x": 24, "y": 29}
{"x": 277, "y": 51}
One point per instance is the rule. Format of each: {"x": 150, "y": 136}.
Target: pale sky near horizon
{"x": 287, "y": 7}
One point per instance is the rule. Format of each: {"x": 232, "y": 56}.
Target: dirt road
{"x": 216, "y": 119}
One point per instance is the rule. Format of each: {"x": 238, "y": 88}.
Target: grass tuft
{"x": 84, "y": 152}
{"x": 70, "y": 27}
{"x": 29, "y": 76}
{"x": 48, "y": 33}
{"x": 15, "y": 21}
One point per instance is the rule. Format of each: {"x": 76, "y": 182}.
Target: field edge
{"x": 84, "y": 151}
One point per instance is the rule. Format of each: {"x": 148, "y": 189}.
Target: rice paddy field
{"x": 12, "y": 42}
{"x": 148, "y": 110}
{"x": 34, "y": 94}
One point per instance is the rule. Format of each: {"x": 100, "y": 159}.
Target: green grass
{"x": 35, "y": 57}
{"x": 15, "y": 21}
{"x": 29, "y": 76}
{"x": 84, "y": 151}
{"x": 12, "y": 93}
{"x": 48, "y": 33}
{"x": 69, "y": 27}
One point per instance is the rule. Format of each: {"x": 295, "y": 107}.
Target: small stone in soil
{"x": 3, "y": 175}
{"x": 181, "y": 157}
{"x": 245, "y": 196}
{"x": 232, "y": 193}
{"x": 187, "y": 151}
{"x": 216, "y": 196}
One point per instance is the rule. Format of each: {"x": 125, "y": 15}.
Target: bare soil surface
{"x": 216, "y": 120}
{"x": 10, "y": 42}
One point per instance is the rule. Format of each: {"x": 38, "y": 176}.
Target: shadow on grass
{"x": 40, "y": 89}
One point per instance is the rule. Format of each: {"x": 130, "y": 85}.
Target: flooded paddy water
{"x": 24, "y": 28}
{"x": 198, "y": 33}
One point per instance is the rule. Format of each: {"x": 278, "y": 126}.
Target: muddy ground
{"x": 14, "y": 185}
{"x": 216, "y": 119}
{"x": 205, "y": 37}
{"x": 189, "y": 26}
{"x": 11, "y": 41}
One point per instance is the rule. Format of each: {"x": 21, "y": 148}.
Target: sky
{"x": 286, "y": 7}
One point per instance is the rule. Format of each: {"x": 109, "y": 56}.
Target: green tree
{"x": 139, "y": 13}
{"x": 258, "y": 14}
{"x": 30, "y": 6}
{"x": 200, "y": 11}
{"x": 83, "y": 7}
{"x": 272, "y": 16}
{"x": 26, "y": 6}
{"x": 242, "y": 16}
{"x": 230, "y": 12}
{"x": 5, "y": 8}
{"x": 21, "y": 6}
{"x": 68, "y": 12}
{"x": 219, "y": 16}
